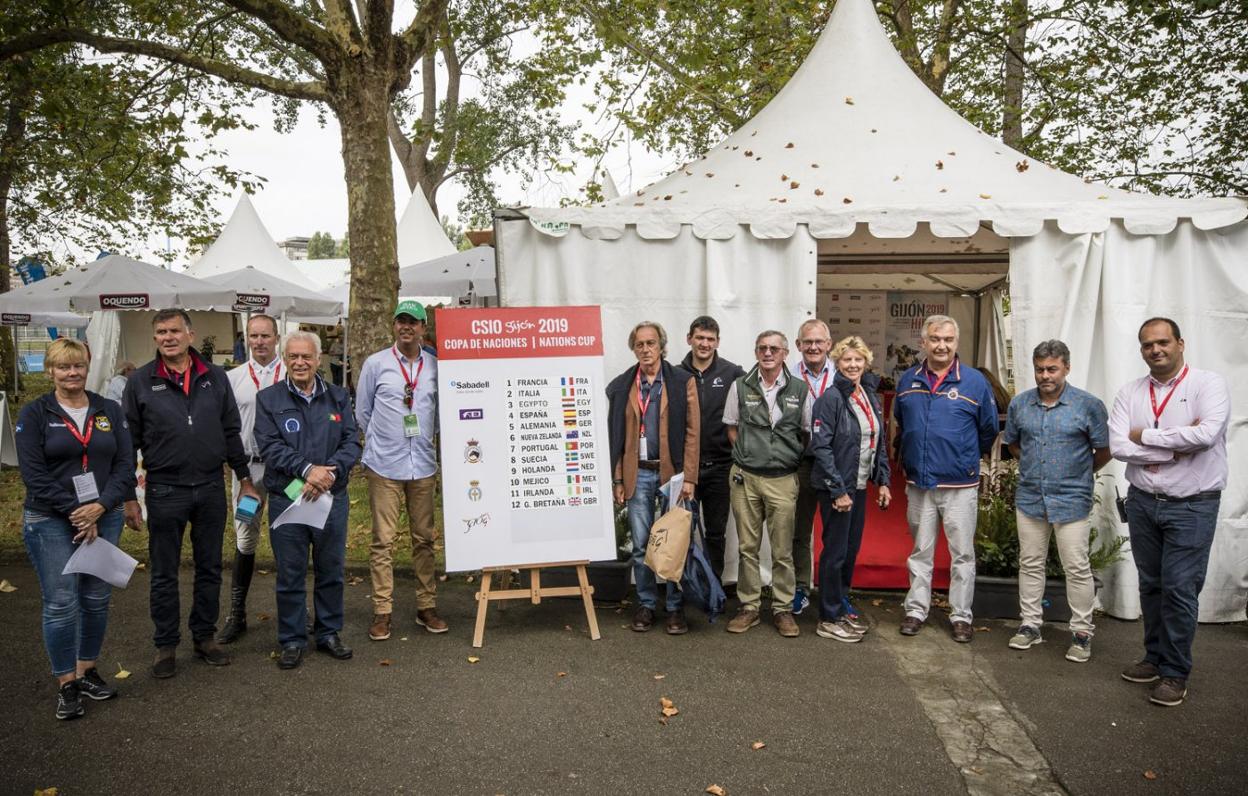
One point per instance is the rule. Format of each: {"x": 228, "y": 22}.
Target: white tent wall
{"x": 134, "y": 336}
{"x": 103, "y": 338}
{"x": 1093, "y": 291}
{"x": 747, "y": 284}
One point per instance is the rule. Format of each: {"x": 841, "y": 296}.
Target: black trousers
{"x": 169, "y": 510}
{"x": 712, "y": 495}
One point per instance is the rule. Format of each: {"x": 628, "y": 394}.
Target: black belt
{"x": 709, "y": 465}
{"x": 648, "y": 464}
{"x": 1213, "y": 494}
{"x": 257, "y": 460}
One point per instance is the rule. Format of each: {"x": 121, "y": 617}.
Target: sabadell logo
{"x": 469, "y": 385}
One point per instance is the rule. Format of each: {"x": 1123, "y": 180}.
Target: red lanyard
{"x": 643, "y": 406}
{"x": 409, "y": 391}
{"x": 85, "y": 439}
{"x": 939, "y": 379}
{"x": 823, "y": 385}
{"x": 185, "y": 377}
{"x": 866, "y": 410}
{"x": 1152, "y": 397}
{"x": 276, "y": 371}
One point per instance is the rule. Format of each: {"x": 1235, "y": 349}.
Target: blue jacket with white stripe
{"x": 942, "y": 432}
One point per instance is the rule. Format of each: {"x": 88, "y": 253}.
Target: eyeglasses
{"x": 809, "y": 343}
{"x": 770, "y": 349}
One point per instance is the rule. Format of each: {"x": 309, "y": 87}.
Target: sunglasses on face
{"x": 769, "y": 349}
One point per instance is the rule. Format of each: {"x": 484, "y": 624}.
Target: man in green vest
{"x": 768, "y": 419}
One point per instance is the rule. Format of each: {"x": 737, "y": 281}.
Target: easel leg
{"x": 483, "y": 602}
{"x": 587, "y": 597}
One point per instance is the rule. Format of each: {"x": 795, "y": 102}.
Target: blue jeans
{"x": 329, "y": 552}
{"x": 1170, "y": 543}
{"x": 75, "y": 607}
{"x": 169, "y": 510}
{"x": 641, "y": 508}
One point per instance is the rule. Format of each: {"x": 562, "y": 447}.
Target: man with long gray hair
{"x": 946, "y": 418}
{"x": 1060, "y": 436}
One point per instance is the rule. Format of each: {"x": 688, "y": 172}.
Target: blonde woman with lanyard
{"x": 848, "y": 443}
{"x": 77, "y": 463}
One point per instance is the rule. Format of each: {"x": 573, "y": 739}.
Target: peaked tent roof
{"x": 116, "y": 282}
{"x": 264, "y": 293}
{"x": 421, "y": 236}
{"x": 246, "y": 243}
{"x": 855, "y": 136}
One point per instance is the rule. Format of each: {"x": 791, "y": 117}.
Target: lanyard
{"x": 85, "y": 439}
{"x": 866, "y": 410}
{"x": 276, "y": 371}
{"x": 1152, "y": 397}
{"x": 823, "y": 385}
{"x": 185, "y": 377}
{"x": 409, "y": 382}
{"x": 643, "y": 406}
{"x": 939, "y": 379}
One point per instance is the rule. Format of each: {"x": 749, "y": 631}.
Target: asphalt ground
{"x": 547, "y": 710}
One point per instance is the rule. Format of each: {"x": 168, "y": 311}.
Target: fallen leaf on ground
{"x": 659, "y": 676}
{"x": 442, "y": 578}
{"x": 263, "y": 617}
{"x": 122, "y": 674}
{"x": 384, "y": 662}
{"x": 404, "y": 638}
{"x": 473, "y": 659}
{"x": 262, "y": 572}
{"x": 715, "y": 790}
{"x": 976, "y": 770}
{"x": 7, "y": 587}
{"x": 470, "y": 579}
{"x": 877, "y": 603}
{"x": 140, "y": 565}
{"x": 1150, "y": 774}
{"x": 354, "y": 580}
{"x": 561, "y": 674}
{"x": 757, "y": 745}
{"x": 567, "y": 627}
{"x": 46, "y": 791}
{"x": 983, "y": 629}
{"x": 668, "y": 707}
{"x": 354, "y": 502}
{"x": 273, "y": 655}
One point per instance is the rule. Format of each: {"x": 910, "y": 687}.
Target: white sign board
{"x": 522, "y": 409}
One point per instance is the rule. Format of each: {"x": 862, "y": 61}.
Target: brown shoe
{"x": 745, "y": 619}
{"x": 211, "y": 653}
{"x": 676, "y": 624}
{"x": 785, "y": 624}
{"x": 1142, "y": 672}
{"x": 166, "y": 664}
{"x": 379, "y": 630}
{"x": 643, "y": 619}
{"x": 429, "y": 620}
{"x": 910, "y": 626}
{"x": 963, "y": 632}
{"x": 1169, "y": 692}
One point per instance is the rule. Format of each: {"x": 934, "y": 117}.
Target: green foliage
{"x": 322, "y": 246}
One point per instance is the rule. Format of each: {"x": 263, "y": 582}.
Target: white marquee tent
{"x": 261, "y": 292}
{"x": 245, "y": 243}
{"x": 856, "y": 175}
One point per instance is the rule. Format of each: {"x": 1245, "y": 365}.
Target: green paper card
{"x": 294, "y": 488}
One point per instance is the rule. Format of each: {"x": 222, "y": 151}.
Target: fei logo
{"x": 471, "y": 414}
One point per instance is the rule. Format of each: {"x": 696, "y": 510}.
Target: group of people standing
{"x": 771, "y": 444}
{"x": 285, "y": 435}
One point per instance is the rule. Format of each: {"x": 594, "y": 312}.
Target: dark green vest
{"x": 760, "y": 448}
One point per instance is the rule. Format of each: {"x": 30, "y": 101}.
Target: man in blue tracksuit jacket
{"x": 946, "y": 419}
{"x": 306, "y": 434}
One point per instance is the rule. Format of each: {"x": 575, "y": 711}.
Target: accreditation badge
{"x": 411, "y": 426}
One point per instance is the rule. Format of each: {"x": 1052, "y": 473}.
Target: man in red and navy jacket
{"x": 184, "y": 420}
{"x": 946, "y": 419}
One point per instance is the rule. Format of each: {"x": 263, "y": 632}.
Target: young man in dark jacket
{"x": 714, "y": 376}
{"x": 185, "y": 423}
{"x": 307, "y": 436}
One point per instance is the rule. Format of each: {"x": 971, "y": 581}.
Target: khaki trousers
{"x": 387, "y": 498}
{"x": 771, "y": 500}
{"x": 1072, "y": 549}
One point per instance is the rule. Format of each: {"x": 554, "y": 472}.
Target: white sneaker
{"x": 1080, "y": 649}
{"x": 1026, "y": 637}
{"x": 839, "y": 630}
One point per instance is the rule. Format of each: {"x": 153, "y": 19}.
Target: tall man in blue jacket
{"x": 184, "y": 420}
{"x": 307, "y": 437}
{"x": 946, "y": 418}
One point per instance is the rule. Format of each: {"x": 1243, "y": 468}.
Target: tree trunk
{"x": 362, "y": 105}
{"x": 14, "y": 134}
{"x": 1015, "y": 46}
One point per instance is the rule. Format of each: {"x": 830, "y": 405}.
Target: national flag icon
{"x": 564, "y": 380}
{"x": 571, "y": 446}
{"x": 335, "y": 416}
{"x": 572, "y": 435}
{"x": 573, "y": 456}
{"x": 574, "y": 479}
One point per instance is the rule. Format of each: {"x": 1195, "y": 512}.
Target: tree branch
{"x": 291, "y": 26}
{"x": 415, "y": 38}
{"x": 314, "y": 91}
{"x": 450, "y": 114}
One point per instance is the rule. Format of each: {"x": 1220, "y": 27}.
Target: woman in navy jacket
{"x": 77, "y": 462}
{"x": 848, "y": 444}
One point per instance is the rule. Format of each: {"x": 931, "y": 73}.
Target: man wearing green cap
{"x": 397, "y": 407}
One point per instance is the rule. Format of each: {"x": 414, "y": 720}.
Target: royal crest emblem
{"x": 472, "y": 452}
{"x": 474, "y": 491}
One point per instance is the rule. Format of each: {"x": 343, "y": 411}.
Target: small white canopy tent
{"x": 456, "y": 275}
{"x": 245, "y": 243}
{"x": 855, "y": 170}
{"x": 116, "y": 283}
{"x": 261, "y": 292}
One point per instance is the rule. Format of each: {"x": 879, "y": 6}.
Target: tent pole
{"x": 17, "y": 372}
{"x": 979, "y": 299}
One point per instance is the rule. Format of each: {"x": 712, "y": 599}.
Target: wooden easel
{"x": 535, "y": 593}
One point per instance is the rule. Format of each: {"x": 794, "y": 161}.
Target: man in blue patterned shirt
{"x": 1060, "y": 436}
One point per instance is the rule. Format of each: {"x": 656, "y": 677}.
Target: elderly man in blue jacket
{"x": 307, "y": 437}
{"x": 946, "y": 419}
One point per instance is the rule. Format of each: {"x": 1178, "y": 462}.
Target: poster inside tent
{"x": 888, "y": 321}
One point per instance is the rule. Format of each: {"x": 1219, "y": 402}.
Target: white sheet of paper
{"x": 300, "y": 513}
{"x": 671, "y": 490}
{"x": 104, "y": 560}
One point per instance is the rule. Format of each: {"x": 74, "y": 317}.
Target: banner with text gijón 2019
{"x": 525, "y": 467}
